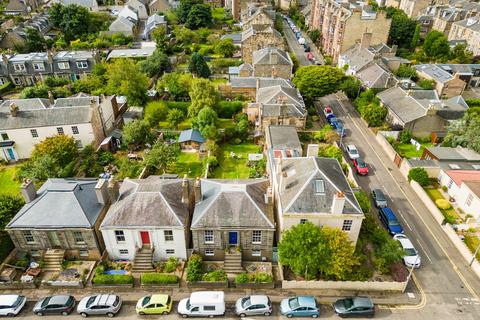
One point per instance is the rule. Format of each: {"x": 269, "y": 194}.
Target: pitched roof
{"x": 16, "y": 5}
{"x": 278, "y": 94}
{"x": 459, "y": 176}
{"x": 255, "y": 29}
{"x": 296, "y": 186}
{"x": 435, "y": 72}
{"x": 233, "y": 204}
{"x": 251, "y": 82}
{"x": 131, "y": 53}
{"x": 458, "y": 153}
{"x": 83, "y": 3}
{"x": 60, "y": 203}
{"x": 284, "y": 137}
{"x": 150, "y": 202}
{"x": 474, "y": 186}
{"x": 271, "y": 56}
{"x": 121, "y": 24}
{"x": 374, "y": 76}
{"x": 191, "y": 135}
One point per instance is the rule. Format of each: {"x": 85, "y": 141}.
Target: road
{"x": 298, "y": 49}
{"x": 450, "y": 288}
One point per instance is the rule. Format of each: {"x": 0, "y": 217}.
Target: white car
{"x": 411, "y": 257}
{"x": 352, "y": 152}
{"x": 11, "y": 304}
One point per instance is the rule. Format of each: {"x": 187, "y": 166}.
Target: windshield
{"x": 90, "y": 301}
{"x": 293, "y": 303}
{"x": 188, "y": 304}
{"x": 246, "y": 302}
{"x": 45, "y": 302}
{"x": 362, "y": 164}
{"x": 146, "y": 300}
{"x": 353, "y": 151}
{"x": 410, "y": 252}
{"x": 18, "y": 301}
{"x": 348, "y": 303}
{"x": 117, "y": 300}
{"x": 70, "y": 301}
{"x": 393, "y": 222}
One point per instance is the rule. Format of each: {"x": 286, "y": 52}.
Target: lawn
{"x": 225, "y": 123}
{"x": 407, "y": 150}
{"x": 472, "y": 242}
{"x": 234, "y": 167}
{"x": 189, "y": 163}
{"x": 450, "y": 214}
{"x": 7, "y": 182}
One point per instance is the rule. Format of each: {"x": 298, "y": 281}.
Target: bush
{"x": 399, "y": 272}
{"x": 7, "y": 86}
{"x": 158, "y": 278}
{"x": 420, "y": 175}
{"x": 472, "y": 242}
{"x": 405, "y": 136}
{"x": 254, "y": 278}
{"x": 443, "y": 204}
{"x": 194, "y": 268}
{"x": 445, "y": 188}
{"x": 170, "y": 265}
{"x": 227, "y": 109}
{"x": 241, "y": 278}
{"x": 113, "y": 279}
{"x": 363, "y": 201}
{"x": 215, "y": 275}
{"x": 6, "y": 245}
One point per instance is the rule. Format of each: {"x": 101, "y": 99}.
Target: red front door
{"x": 145, "y": 237}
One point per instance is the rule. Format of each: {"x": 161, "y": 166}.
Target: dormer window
{"x": 18, "y": 67}
{"x": 82, "y": 64}
{"x": 319, "y": 186}
{"x": 63, "y": 65}
{"x": 38, "y": 66}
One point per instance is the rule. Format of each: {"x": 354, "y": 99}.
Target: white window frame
{"x": 38, "y": 66}
{"x": 34, "y": 133}
{"x": 64, "y": 65}
{"x": 119, "y": 235}
{"x": 469, "y": 200}
{"x": 319, "y": 186}
{"x": 27, "y": 235}
{"x": 209, "y": 236}
{"x": 82, "y": 64}
{"x": 168, "y": 235}
{"x": 60, "y": 130}
{"x": 83, "y": 253}
{"x": 17, "y": 81}
{"x": 169, "y": 252}
{"x": 256, "y": 253}
{"x": 347, "y": 225}
{"x": 75, "y": 130}
{"x": 257, "y": 237}
{"x": 123, "y": 252}
{"x": 209, "y": 252}
{"x": 78, "y": 237}
{"x": 19, "y": 67}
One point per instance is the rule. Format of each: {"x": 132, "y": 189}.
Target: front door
{"x": 233, "y": 238}
{"x": 54, "y": 241}
{"x": 145, "y": 237}
{"x": 11, "y": 154}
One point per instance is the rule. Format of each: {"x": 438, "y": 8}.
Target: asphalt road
{"x": 451, "y": 290}
{"x": 298, "y": 49}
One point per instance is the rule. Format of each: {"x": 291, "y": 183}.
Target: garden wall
{"x": 387, "y": 147}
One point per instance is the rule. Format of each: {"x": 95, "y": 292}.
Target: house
{"x": 141, "y": 53}
{"x": 343, "y": 23}
{"x": 258, "y": 16}
{"x": 139, "y": 7}
{"x": 63, "y": 214}
{"x": 257, "y": 37}
{"x": 283, "y": 141}
{"x": 233, "y": 218}
{"x": 448, "y": 154}
{"x": 248, "y": 86}
{"x": 269, "y": 62}
{"x": 91, "y": 5}
{"x": 152, "y": 214}
{"x": 123, "y": 25}
{"x": 420, "y": 111}
{"x": 413, "y": 7}
{"x": 153, "y": 22}
{"x": 15, "y": 36}
{"x": 316, "y": 190}
{"x": 453, "y": 178}
{"x": 468, "y": 30}
{"x": 191, "y": 140}
{"x": 26, "y": 122}
{"x": 155, "y": 6}
{"x": 468, "y": 198}
{"x": 446, "y": 84}
{"x": 469, "y": 73}
{"x": 20, "y": 7}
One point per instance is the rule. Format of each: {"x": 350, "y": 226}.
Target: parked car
{"x": 203, "y": 304}
{"x": 379, "y": 198}
{"x": 301, "y": 306}
{"x": 390, "y": 221}
{"x": 154, "y": 304}
{"x": 54, "y": 305}
{"x": 352, "y": 152}
{"x": 411, "y": 257}
{"x": 360, "y": 167}
{"x": 100, "y": 304}
{"x": 253, "y": 305}
{"x": 354, "y": 307}
{"x": 306, "y": 47}
{"x": 11, "y": 304}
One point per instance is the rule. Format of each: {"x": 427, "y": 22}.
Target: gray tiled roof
{"x": 284, "y": 137}
{"x": 121, "y": 24}
{"x": 251, "y": 82}
{"x": 60, "y": 203}
{"x": 82, "y": 3}
{"x": 233, "y": 204}
{"x": 271, "y": 56}
{"x": 435, "y": 72}
{"x": 276, "y": 95}
{"x": 374, "y": 76}
{"x": 131, "y": 53}
{"x": 254, "y": 29}
{"x": 150, "y": 202}
{"x": 458, "y": 153}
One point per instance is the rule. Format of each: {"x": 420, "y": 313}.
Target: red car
{"x": 360, "y": 167}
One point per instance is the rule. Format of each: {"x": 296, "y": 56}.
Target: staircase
{"x": 233, "y": 261}
{"x": 53, "y": 259}
{"x": 143, "y": 261}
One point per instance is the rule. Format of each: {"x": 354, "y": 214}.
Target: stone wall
{"x": 387, "y": 147}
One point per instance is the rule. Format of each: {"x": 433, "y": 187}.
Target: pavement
{"x": 451, "y": 289}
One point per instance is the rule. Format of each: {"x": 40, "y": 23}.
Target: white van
{"x": 203, "y": 304}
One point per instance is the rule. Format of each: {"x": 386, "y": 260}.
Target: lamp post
{"x": 410, "y": 273}
{"x": 474, "y": 255}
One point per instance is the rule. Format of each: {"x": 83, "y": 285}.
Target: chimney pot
{"x": 51, "y": 98}
{"x": 13, "y": 109}
{"x": 338, "y": 202}
{"x": 366, "y": 40}
{"x": 28, "y": 190}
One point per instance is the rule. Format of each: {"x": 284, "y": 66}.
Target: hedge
{"x": 178, "y": 105}
{"x": 6, "y": 87}
{"x": 113, "y": 279}
{"x": 6, "y": 245}
{"x": 215, "y": 276}
{"x": 227, "y": 109}
{"x": 254, "y": 277}
{"x": 158, "y": 278}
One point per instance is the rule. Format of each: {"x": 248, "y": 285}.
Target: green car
{"x": 154, "y": 304}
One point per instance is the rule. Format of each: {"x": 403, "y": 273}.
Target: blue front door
{"x": 233, "y": 237}
{"x": 11, "y": 154}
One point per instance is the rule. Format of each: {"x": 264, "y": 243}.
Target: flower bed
{"x": 196, "y": 278}
{"x": 254, "y": 280}
{"x": 159, "y": 280}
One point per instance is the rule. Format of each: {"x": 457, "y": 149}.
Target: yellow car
{"x": 154, "y": 304}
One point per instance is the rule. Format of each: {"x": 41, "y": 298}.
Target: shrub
{"x": 113, "y": 279}
{"x": 215, "y": 275}
{"x": 445, "y": 188}
{"x": 241, "y": 278}
{"x": 227, "y": 109}
{"x": 363, "y": 200}
{"x": 420, "y": 175}
{"x": 472, "y": 242}
{"x": 194, "y": 268}
{"x": 6, "y": 245}
{"x": 170, "y": 265}
{"x": 261, "y": 277}
{"x": 405, "y": 136}
{"x": 443, "y": 204}
{"x": 158, "y": 278}
{"x": 399, "y": 272}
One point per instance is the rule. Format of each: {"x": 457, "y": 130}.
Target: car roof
{"x": 405, "y": 242}
{"x": 8, "y": 299}
{"x": 259, "y": 299}
{"x": 104, "y": 299}
{"x": 207, "y": 297}
{"x": 58, "y": 299}
{"x": 159, "y": 298}
{"x": 379, "y": 193}
{"x": 351, "y": 146}
{"x": 389, "y": 214}
{"x": 308, "y": 301}
{"x": 362, "y": 302}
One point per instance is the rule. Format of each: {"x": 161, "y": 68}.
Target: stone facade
{"x": 413, "y": 7}
{"x": 467, "y": 30}
{"x": 259, "y": 37}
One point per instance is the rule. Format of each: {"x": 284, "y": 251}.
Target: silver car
{"x": 102, "y": 304}
{"x": 253, "y": 305}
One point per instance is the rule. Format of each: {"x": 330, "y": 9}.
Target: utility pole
{"x": 475, "y": 255}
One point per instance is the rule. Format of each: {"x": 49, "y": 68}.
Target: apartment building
{"x": 468, "y": 30}
{"x": 413, "y": 7}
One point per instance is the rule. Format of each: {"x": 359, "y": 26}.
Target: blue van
{"x": 390, "y": 221}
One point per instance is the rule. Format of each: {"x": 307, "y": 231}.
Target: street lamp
{"x": 474, "y": 255}
{"x": 411, "y": 273}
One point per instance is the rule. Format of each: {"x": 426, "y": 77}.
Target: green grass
{"x": 186, "y": 124}
{"x": 218, "y": 13}
{"x": 189, "y": 164}
{"x": 407, "y": 150}
{"x": 450, "y": 214}
{"x": 219, "y": 81}
{"x": 234, "y": 168}
{"x": 225, "y": 123}
{"x": 8, "y": 185}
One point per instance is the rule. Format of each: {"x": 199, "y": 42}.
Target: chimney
{"x": 197, "y": 189}
{"x": 366, "y": 39}
{"x": 338, "y": 202}
{"x": 101, "y": 191}
{"x": 409, "y": 92}
{"x": 274, "y": 72}
{"x": 279, "y": 164}
{"x": 28, "y": 190}
{"x": 258, "y": 83}
{"x": 51, "y": 98}
{"x": 4, "y": 58}
{"x": 13, "y": 109}
{"x": 50, "y": 56}
{"x": 113, "y": 189}
{"x": 185, "y": 190}
{"x": 312, "y": 150}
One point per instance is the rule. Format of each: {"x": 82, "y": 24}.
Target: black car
{"x": 354, "y": 307}
{"x": 55, "y": 305}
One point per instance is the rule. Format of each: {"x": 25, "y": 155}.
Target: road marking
{"x": 423, "y": 297}
{"x": 406, "y": 222}
{"x": 455, "y": 268}
{"x": 424, "y": 251}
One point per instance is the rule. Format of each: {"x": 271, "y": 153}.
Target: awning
{"x": 4, "y": 144}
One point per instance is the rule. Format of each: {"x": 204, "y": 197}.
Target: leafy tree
{"x": 436, "y": 45}
{"x": 314, "y": 35}
{"x": 317, "y": 81}
{"x": 184, "y": 9}
{"x": 185, "y": 36}
{"x": 136, "y": 133}
{"x": 426, "y": 84}
{"x": 200, "y": 15}
{"x": 124, "y": 77}
{"x": 162, "y": 156}
{"x": 89, "y": 84}
{"x": 351, "y": 87}
{"x": 205, "y": 122}
{"x": 40, "y": 169}
{"x": 89, "y": 165}
{"x": 460, "y": 54}
{"x": 177, "y": 84}
{"x": 160, "y": 35}
{"x": 9, "y": 206}
{"x": 203, "y": 95}
{"x": 405, "y": 136}
{"x": 330, "y": 151}
{"x": 402, "y": 29}
{"x": 198, "y": 66}
{"x": 154, "y": 113}
{"x": 464, "y": 132}
{"x": 61, "y": 148}
{"x": 363, "y": 201}
{"x": 420, "y": 175}
{"x": 368, "y": 105}
{"x": 242, "y": 125}
{"x": 38, "y": 91}
{"x": 416, "y": 37}
{"x": 34, "y": 40}
{"x": 73, "y": 20}
{"x": 175, "y": 117}
{"x": 225, "y": 47}
{"x": 156, "y": 64}
{"x": 405, "y": 71}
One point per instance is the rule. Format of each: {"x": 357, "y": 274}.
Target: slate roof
{"x": 131, "y": 53}
{"x": 457, "y": 154}
{"x": 357, "y": 57}
{"x": 60, "y": 203}
{"x": 121, "y": 24}
{"x": 374, "y": 76}
{"x": 254, "y": 29}
{"x": 474, "y": 186}
{"x": 435, "y": 72}
{"x": 284, "y": 137}
{"x": 150, "y": 202}
{"x": 236, "y": 37}
{"x": 251, "y": 82}
{"x": 233, "y": 204}
{"x": 271, "y": 56}
{"x": 277, "y": 94}
{"x": 83, "y": 3}
{"x": 296, "y": 186}
{"x": 470, "y": 23}
{"x": 191, "y": 135}
{"x": 16, "y": 5}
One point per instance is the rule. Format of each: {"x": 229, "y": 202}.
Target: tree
{"x": 330, "y": 151}
{"x": 185, "y": 36}
{"x": 136, "y": 133}
{"x": 38, "y": 91}
{"x": 225, "y": 47}
{"x": 203, "y": 95}
{"x": 40, "y": 169}
{"x": 420, "y": 175}
{"x": 205, "y": 122}
{"x": 9, "y": 206}
{"x": 363, "y": 201}
{"x": 200, "y": 15}
{"x": 177, "y": 84}
{"x": 351, "y": 87}
{"x": 198, "y": 66}
{"x": 162, "y": 156}
{"x": 317, "y": 81}
{"x": 89, "y": 165}
{"x": 426, "y": 84}
{"x": 402, "y": 29}
{"x": 314, "y": 35}
{"x": 175, "y": 117}
{"x": 125, "y": 78}
{"x": 155, "y": 112}
{"x": 184, "y": 9}
{"x": 34, "y": 40}
{"x": 73, "y": 20}
{"x": 436, "y": 45}
{"x": 416, "y": 37}
{"x": 405, "y": 71}
{"x": 160, "y": 35}
{"x": 464, "y": 132}
{"x": 460, "y": 54}
{"x": 368, "y": 105}
{"x": 61, "y": 148}
{"x": 156, "y": 64}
